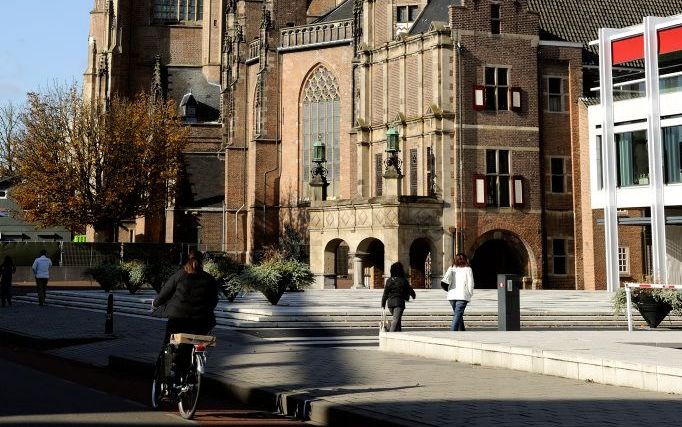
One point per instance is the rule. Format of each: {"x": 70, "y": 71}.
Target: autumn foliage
{"x": 83, "y": 164}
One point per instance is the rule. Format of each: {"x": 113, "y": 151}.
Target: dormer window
{"x": 495, "y": 19}
{"x": 188, "y": 108}
{"x": 405, "y": 17}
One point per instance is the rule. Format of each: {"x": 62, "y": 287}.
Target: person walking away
{"x": 396, "y": 292}
{"x": 459, "y": 282}
{"x": 41, "y": 271}
{"x": 190, "y": 296}
{"x": 7, "y": 269}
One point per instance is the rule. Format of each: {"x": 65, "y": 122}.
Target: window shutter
{"x": 413, "y": 172}
{"x": 479, "y": 97}
{"x": 479, "y": 182}
{"x": 518, "y": 200}
{"x": 516, "y": 99}
{"x": 378, "y": 173}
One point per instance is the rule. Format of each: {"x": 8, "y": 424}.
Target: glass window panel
{"x": 491, "y": 161}
{"x": 502, "y": 75}
{"x": 504, "y": 191}
{"x": 557, "y": 166}
{"x": 402, "y": 13}
{"x": 632, "y": 158}
{"x": 489, "y": 76}
{"x": 555, "y": 103}
{"x": 503, "y": 168}
{"x": 491, "y": 199}
{"x": 490, "y": 98}
{"x": 200, "y": 10}
{"x": 495, "y": 27}
{"x": 672, "y": 146}
{"x": 557, "y": 184}
{"x": 413, "y": 12}
{"x": 554, "y": 85}
{"x": 502, "y": 98}
{"x": 495, "y": 11}
{"x": 558, "y": 247}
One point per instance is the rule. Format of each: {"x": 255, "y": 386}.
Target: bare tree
{"x": 80, "y": 164}
{"x": 11, "y": 131}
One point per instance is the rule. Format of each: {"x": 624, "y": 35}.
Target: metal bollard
{"x": 109, "y": 322}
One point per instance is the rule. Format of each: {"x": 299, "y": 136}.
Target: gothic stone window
{"x": 321, "y": 118}
{"x": 177, "y": 10}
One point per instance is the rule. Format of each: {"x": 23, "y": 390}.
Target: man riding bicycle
{"x": 190, "y": 296}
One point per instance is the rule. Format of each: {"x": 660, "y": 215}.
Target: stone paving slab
{"x": 363, "y": 387}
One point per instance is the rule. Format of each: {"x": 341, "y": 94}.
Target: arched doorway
{"x": 499, "y": 252}
{"x": 336, "y": 265}
{"x": 371, "y": 251}
{"x": 420, "y": 263}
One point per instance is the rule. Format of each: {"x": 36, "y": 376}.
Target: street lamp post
{"x": 392, "y": 172}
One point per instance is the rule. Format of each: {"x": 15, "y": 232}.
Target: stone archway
{"x": 336, "y": 265}
{"x": 499, "y": 252}
{"x": 370, "y": 253}
{"x": 421, "y": 255}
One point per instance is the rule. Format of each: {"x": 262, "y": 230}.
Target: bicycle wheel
{"x": 158, "y": 384}
{"x": 189, "y": 395}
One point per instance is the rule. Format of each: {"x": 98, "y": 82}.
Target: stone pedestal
{"x": 392, "y": 182}
{"x": 358, "y": 274}
{"x": 318, "y": 186}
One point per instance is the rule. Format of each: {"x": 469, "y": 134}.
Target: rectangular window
{"x": 3, "y": 194}
{"x": 495, "y": 19}
{"x": 378, "y": 173}
{"x": 413, "y": 172}
{"x": 431, "y": 171}
{"x": 623, "y": 260}
{"x": 342, "y": 260}
{"x": 559, "y": 256}
{"x": 672, "y": 149}
{"x": 558, "y": 175}
{"x": 497, "y": 177}
{"x": 633, "y": 158}
{"x": 555, "y": 94}
{"x": 496, "y": 88}
{"x": 177, "y": 10}
{"x": 407, "y": 14}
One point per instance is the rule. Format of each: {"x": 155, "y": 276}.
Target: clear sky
{"x": 41, "y": 42}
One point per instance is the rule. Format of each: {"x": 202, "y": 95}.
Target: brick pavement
{"x": 403, "y": 390}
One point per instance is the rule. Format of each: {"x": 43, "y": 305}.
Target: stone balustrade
{"x": 315, "y": 34}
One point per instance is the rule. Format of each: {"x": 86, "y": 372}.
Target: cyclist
{"x": 190, "y": 296}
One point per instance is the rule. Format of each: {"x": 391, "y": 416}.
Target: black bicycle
{"x": 171, "y": 383}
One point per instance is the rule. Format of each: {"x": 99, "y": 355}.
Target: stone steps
{"x": 328, "y": 311}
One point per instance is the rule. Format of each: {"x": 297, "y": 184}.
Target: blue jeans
{"x": 458, "y": 307}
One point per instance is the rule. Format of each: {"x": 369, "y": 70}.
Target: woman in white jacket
{"x": 459, "y": 282}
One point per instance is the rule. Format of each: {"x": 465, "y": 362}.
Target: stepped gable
{"x": 339, "y": 13}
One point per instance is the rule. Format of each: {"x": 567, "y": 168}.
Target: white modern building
{"x": 635, "y": 145}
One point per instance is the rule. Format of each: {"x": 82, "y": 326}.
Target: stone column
{"x": 358, "y": 273}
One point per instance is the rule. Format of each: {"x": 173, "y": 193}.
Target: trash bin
{"x": 508, "y": 306}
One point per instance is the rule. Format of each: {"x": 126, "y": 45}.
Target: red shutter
{"x": 518, "y": 200}
{"x": 479, "y": 97}
{"x": 515, "y": 99}
{"x": 479, "y": 182}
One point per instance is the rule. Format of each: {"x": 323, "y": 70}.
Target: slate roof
{"x": 339, "y": 13}
{"x": 435, "y": 10}
{"x": 184, "y": 80}
{"x": 203, "y": 181}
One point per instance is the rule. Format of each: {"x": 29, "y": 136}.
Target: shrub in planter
{"x": 133, "y": 275}
{"x": 109, "y": 276}
{"x": 226, "y": 271}
{"x": 653, "y": 304}
{"x": 273, "y": 276}
{"x": 157, "y": 273}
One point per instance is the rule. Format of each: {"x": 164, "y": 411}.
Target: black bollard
{"x": 109, "y": 323}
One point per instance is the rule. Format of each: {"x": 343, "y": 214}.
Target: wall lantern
{"x": 392, "y": 141}
{"x": 319, "y": 151}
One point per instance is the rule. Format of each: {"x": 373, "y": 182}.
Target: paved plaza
{"x": 353, "y": 385}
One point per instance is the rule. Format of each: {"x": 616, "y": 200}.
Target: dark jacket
{"x": 396, "y": 292}
{"x": 189, "y": 296}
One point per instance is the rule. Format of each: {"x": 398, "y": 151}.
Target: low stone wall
{"x": 57, "y": 274}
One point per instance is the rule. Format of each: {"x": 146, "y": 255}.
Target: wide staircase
{"x": 360, "y": 309}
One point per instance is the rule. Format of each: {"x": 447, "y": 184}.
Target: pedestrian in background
{"x": 41, "y": 270}
{"x": 7, "y": 269}
{"x": 396, "y": 292}
{"x": 459, "y": 282}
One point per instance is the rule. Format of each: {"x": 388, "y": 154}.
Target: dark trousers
{"x": 6, "y": 293}
{"x": 42, "y": 290}
{"x": 186, "y": 326}
{"x": 397, "y": 313}
{"x": 458, "y": 307}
